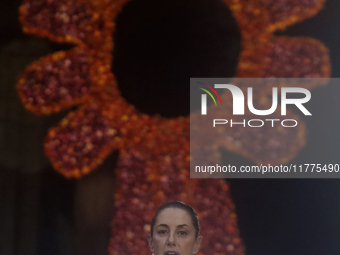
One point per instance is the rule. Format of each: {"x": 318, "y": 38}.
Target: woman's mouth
{"x": 171, "y": 253}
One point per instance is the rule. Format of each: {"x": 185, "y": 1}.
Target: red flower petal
{"x": 81, "y": 141}
{"x": 250, "y": 15}
{"x": 63, "y": 20}
{"x": 284, "y": 57}
{"x": 287, "y": 12}
{"x": 55, "y": 82}
{"x": 216, "y": 212}
{"x": 251, "y": 61}
{"x": 297, "y": 58}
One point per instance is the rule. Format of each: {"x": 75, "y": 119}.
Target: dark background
{"x": 43, "y": 213}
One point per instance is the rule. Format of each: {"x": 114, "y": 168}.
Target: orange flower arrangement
{"x": 154, "y": 156}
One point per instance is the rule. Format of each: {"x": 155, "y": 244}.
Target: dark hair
{"x": 179, "y": 205}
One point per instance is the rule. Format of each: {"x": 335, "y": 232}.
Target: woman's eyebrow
{"x": 182, "y": 225}
{"x": 162, "y": 225}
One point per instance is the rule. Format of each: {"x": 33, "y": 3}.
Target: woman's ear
{"x": 197, "y": 244}
{"x": 150, "y": 242}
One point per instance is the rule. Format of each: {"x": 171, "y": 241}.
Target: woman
{"x": 175, "y": 230}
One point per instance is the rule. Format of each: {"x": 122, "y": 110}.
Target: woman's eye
{"x": 182, "y": 233}
{"x": 162, "y": 232}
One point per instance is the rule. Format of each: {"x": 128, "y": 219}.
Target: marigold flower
{"x": 153, "y": 165}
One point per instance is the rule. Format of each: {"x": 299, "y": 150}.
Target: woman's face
{"x": 174, "y": 234}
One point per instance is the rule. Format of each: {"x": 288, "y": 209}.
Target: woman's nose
{"x": 172, "y": 240}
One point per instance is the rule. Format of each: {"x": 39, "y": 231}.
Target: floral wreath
{"x": 154, "y": 159}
